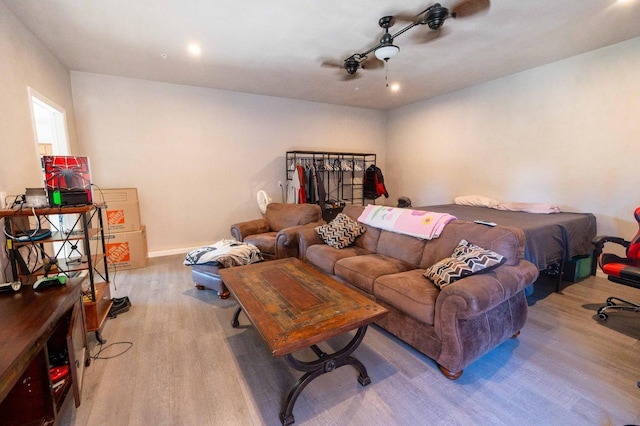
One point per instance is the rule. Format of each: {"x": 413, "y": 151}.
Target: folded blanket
{"x": 225, "y": 253}
{"x": 529, "y": 207}
{"x": 417, "y": 223}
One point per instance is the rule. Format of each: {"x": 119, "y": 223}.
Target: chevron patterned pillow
{"x": 341, "y": 231}
{"x": 466, "y": 259}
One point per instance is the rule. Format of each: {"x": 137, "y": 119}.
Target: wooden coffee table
{"x": 294, "y": 306}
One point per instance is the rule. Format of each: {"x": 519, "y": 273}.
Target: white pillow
{"x": 476, "y": 200}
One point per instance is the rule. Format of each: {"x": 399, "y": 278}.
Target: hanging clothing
{"x": 374, "y": 183}
{"x": 293, "y": 188}
{"x": 302, "y": 192}
{"x": 322, "y": 194}
{"x": 312, "y": 193}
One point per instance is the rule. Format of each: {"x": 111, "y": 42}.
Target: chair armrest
{"x": 257, "y": 226}
{"x": 474, "y": 295}
{"x": 287, "y": 239}
{"x": 306, "y": 238}
{"x": 600, "y": 240}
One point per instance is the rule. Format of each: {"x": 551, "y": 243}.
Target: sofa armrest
{"x": 257, "y": 226}
{"x": 474, "y": 295}
{"x": 306, "y": 238}
{"x": 287, "y": 239}
{"x": 479, "y": 312}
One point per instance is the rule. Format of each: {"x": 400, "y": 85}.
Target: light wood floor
{"x": 187, "y": 366}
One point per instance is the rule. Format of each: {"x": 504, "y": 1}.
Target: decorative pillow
{"x": 466, "y": 259}
{"x": 341, "y": 231}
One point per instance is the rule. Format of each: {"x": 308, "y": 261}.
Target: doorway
{"x": 52, "y": 138}
{"x": 50, "y": 125}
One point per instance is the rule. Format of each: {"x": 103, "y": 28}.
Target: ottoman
{"x": 206, "y": 261}
{"x": 206, "y": 276}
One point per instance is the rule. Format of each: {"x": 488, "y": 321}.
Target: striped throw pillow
{"x": 341, "y": 232}
{"x": 467, "y": 259}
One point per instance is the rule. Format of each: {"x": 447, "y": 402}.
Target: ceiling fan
{"x": 433, "y": 16}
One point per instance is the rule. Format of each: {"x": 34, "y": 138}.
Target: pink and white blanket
{"x": 417, "y": 223}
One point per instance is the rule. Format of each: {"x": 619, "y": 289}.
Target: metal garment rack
{"x": 342, "y": 173}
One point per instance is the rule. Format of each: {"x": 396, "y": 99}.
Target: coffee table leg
{"x": 325, "y": 363}
{"x": 235, "y": 323}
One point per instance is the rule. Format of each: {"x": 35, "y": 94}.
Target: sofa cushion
{"x": 368, "y": 240}
{"x": 509, "y": 242}
{"x": 409, "y": 293}
{"x": 404, "y": 247}
{"x": 324, "y": 257}
{"x": 361, "y": 271}
{"x": 341, "y": 231}
{"x": 281, "y": 215}
{"x": 266, "y": 242}
{"x": 466, "y": 259}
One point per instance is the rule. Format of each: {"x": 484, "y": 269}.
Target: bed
{"x": 550, "y": 239}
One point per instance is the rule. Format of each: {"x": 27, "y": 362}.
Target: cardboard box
{"x": 126, "y": 250}
{"x": 122, "y": 211}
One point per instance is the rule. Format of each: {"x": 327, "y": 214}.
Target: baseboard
{"x": 162, "y": 253}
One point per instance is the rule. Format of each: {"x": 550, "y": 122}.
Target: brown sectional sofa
{"x": 453, "y": 326}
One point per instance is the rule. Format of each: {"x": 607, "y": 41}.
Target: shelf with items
{"x": 48, "y": 353}
{"x": 73, "y": 248}
{"x": 338, "y": 177}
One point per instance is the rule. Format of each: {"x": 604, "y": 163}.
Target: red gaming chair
{"x": 623, "y": 270}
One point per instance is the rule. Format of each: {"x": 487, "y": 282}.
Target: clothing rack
{"x": 338, "y": 176}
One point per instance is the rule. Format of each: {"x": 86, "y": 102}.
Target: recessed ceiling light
{"x": 394, "y": 87}
{"x": 194, "y": 49}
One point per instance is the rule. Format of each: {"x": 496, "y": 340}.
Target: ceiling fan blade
{"x": 332, "y": 64}
{"x": 342, "y": 73}
{"x": 466, "y": 8}
{"x": 348, "y": 77}
{"x": 371, "y": 63}
{"x": 404, "y": 17}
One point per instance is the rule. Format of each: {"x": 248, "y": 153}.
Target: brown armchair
{"x": 275, "y": 234}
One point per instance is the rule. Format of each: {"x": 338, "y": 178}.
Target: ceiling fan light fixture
{"x": 387, "y": 52}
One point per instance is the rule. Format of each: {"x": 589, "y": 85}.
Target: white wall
{"x": 566, "y": 133}
{"x": 24, "y": 62}
{"x": 198, "y": 156}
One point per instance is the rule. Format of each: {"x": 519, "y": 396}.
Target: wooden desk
{"x": 34, "y": 324}
{"x": 294, "y": 306}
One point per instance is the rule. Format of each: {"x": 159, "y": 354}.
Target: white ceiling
{"x": 276, "y": 47}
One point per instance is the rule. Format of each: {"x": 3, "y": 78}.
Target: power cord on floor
{"x": 97, "y": 355}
